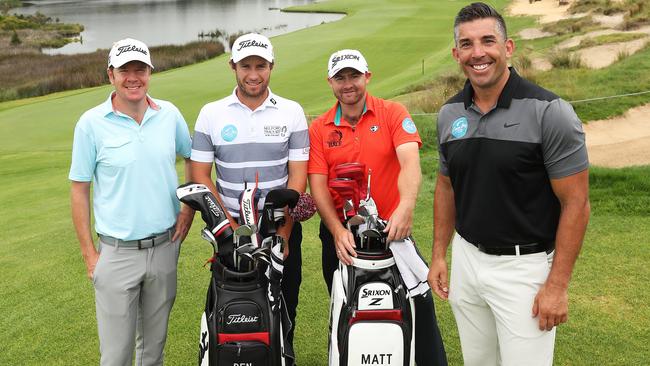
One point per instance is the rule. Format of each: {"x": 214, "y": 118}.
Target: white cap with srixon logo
{"x": 127, "y": 50}
{"x": 346, "y": 58}
{"x": 252, "y": 44}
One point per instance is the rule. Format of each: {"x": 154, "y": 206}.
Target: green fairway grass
{"x": 47, "y": 303}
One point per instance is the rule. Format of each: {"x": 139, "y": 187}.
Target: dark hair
{"x": 476, "y": 11}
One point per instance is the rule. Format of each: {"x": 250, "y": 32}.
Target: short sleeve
{"x": 317, "y": 163}
{"x": 84, "y": 154}
{"x": 563, "y": 141}
{"x": 183, "y": 140}
{"x": 299, "y": 137}
{"x": 202, "y": 145}
{"x": 443, "y": 168}
{"x": 402, "y": 126}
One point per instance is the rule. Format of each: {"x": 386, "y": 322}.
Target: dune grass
{"x": 47, "y": 304}
{"x": 29, "y": 75}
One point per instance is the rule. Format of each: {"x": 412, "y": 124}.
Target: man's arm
{"x": 444, "y": 220}
{"x": 343, "y": 239}
{"x": 552, "y": 301}
{"x": 80, "y": 204}
{"x": 186, "y": 216}
{"x": 202, "y": 173}
{"x": 400, "y": 223}
{"x": 298, "y": 182}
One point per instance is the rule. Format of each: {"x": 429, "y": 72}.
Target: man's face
{"x": 253, "y": 74}
{"x": 349, "y": 85}
{"x": 482, "y": 52}
{"x": 131, "y": 81}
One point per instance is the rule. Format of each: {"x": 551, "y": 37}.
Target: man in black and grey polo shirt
{"x": 513, "y": 183}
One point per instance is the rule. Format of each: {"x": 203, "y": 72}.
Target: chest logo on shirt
{"x": 334, "y": 138}
{"x": 275, "y": 131}
{"x": 459, "y": 127}
{"x": 409, "y": 126}
{"x": 229, "y": 133}
{"x": 374, "y": 128}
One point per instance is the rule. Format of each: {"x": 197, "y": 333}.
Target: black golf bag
{"x": 244, "y": 321}
{"x": 371, "y": 313}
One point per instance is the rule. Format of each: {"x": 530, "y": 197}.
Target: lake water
{"x": 158, "y": 22}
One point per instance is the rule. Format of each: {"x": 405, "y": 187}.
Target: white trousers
{"x": 491, "y": 297}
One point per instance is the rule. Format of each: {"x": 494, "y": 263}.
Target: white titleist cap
{"x": 252, "y": 44}
{"x": 127, "y": 50}
{"x": 346, "y": 58}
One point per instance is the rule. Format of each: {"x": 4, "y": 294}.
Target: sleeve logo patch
{"x": 459, "y": 127}
{"x": 409, "y": 126}
{"x": 229, "y": 133}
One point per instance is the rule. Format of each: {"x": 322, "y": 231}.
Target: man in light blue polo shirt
{"x": 127, "y": 148}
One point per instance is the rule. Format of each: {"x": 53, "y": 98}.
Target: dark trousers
{"x": 429, "y": 349}
{"x": 292, "y": 275}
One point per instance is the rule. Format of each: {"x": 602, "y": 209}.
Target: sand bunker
{"x": 604, "y": 55}
{"x": 620, "y": 141}
{"x": 533, "y": 33}
{"x": 548, "y": 10}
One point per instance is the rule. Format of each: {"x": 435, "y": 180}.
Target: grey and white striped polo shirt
{"x": 243, "y": 143}
{"x": 500, "y": 162}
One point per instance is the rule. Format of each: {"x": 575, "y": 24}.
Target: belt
{"x": 145, "y": 243}
{"x": 520, "y": 249}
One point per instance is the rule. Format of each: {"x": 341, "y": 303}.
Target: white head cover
{"x": 127, "y": 50}
{"x": 252, "y": 44}
{"x": 346, "y": 58}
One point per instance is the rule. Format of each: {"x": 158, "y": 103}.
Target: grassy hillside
{"x": 47, "y": 304}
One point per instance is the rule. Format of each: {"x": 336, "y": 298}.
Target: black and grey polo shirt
{"x": 500, "y": 162}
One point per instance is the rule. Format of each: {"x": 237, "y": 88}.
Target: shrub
{"x": 565, "y": 60}
{"x": 15, "y": 40}
{"x": 30, "y": 75}
{"x": 572, "y": 25}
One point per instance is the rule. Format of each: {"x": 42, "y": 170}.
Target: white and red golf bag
{"x": 371, "y": 313}
{"x": 244, "y": 321}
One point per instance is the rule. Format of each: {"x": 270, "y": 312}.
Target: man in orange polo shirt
{"x": 382, "y": 135}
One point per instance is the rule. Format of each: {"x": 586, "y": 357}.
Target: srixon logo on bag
{"x": 375, "y": 295}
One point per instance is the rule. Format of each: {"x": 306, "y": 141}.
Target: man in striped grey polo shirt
{"x": 255, "y": 133}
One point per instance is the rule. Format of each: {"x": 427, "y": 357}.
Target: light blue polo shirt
{"x": 132, "y": 167}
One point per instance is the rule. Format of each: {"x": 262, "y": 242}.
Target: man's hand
{"x": 183, "y": 223}
{"x": 344, "y": 245}
{"x": 437, "y": 278}
{"x": 552, "y": 306}
{"x": 91, "y": 262}
{"x": 400, "y": 223}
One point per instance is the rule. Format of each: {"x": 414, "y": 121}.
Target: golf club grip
{"x": 279, "y": 198}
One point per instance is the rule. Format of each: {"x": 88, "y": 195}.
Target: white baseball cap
{"x": 127, "y": 50}
{"x": 252, "y": 44}
{"x": 346, "y": 58}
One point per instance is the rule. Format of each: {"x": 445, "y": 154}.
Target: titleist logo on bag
{"x": 241, "y": 318}
{"x": 213, "y": 206}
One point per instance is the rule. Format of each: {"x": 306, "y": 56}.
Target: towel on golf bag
{"x": 412, "y": 267}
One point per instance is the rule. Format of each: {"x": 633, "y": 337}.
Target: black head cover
{"x": 279, "y": 198}
{"x": 199, "y": 197}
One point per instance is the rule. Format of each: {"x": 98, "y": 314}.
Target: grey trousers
{"x": 134, "y": 293}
